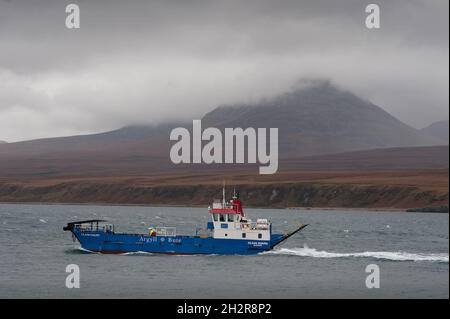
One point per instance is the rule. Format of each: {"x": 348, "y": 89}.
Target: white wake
{"x": 136, "y": 253}
{"x": 387, "y": 255}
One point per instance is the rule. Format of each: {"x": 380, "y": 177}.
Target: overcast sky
{"x": 152, "y": 61}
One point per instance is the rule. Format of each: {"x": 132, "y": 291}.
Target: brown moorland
{"x": 414, "y": 177}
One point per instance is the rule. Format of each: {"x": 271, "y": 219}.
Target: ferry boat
{"x": 228, "y": 232}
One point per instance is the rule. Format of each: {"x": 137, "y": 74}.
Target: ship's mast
{"x": 223, "y": 195}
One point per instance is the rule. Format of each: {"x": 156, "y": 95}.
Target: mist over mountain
{"x": 321, "y": 119}
{"x": 3, "y": 142}
{"x": 438, "y": 130}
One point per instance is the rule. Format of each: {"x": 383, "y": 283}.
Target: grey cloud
{"x": 162, "y": 60}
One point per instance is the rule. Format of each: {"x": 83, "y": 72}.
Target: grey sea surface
{"x": 328, "y": 259}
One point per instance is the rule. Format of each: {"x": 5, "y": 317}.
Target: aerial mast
{"x": 223, "y": 195}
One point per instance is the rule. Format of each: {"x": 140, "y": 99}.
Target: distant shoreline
{"x": 424, "y": 210}
{"x": 370, "y": 209}
{"x": 381, "y": 192}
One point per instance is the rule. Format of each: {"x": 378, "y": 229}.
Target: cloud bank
{"x": 154, "y": 61}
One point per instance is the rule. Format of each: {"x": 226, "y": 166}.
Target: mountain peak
{"x": 322, "y": 91}
{"x": 319, "y": 118}
{"x": 314, "y": 119}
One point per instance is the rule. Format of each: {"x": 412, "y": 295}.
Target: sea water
{"x": 328, "y": 259}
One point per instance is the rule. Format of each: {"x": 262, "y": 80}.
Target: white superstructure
{"x": 229, "y": 222}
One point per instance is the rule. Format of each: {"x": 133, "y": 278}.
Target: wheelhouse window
{"x": 259, "y": 236}
{"x": 216, "y": 217}
{"x": 244, "y": 235}
{"x": 231, "y": 217}
{"x": 222, "y": 217}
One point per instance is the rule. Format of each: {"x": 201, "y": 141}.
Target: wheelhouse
{"x": 229, "y": 221}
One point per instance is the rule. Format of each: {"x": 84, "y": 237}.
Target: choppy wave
{"x": 387, "y": 255}
{"x": 78, "y": 251}
{"x": 312, "y": 252}
{"x": 84, "y": 250}
{"x": 136, "y": 253}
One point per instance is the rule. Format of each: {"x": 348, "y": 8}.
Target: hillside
{"x": 320, "y": 120}
{"x": 314, "y": 121}
{"x": 409, "y": 189}
{"x": 439, "y": 130}
{"x": 383, "y": 178}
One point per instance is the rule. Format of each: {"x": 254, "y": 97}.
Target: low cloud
{"x": 155, "y": 61}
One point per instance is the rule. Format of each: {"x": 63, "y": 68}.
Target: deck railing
{"x": 95, "y": 227}
{"x": 166, "y": 231}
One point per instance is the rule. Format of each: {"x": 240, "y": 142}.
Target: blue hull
{"x": 116, "y": 243}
